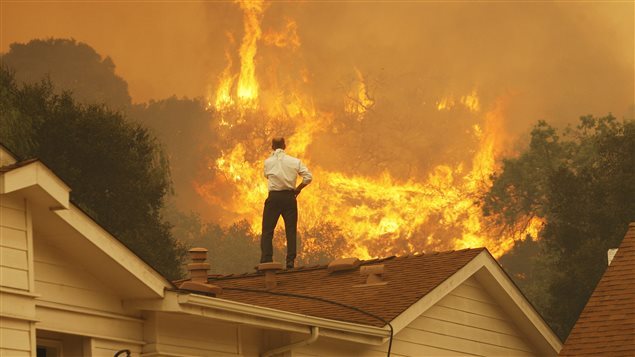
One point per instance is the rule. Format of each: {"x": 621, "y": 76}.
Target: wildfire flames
{"x": 378, "y": 215}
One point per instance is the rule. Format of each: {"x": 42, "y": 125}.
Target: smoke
{"x": 419, "y": 62}
{"x": 553, "y": 61}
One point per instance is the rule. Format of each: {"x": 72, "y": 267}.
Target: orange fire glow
{"x": 359, "y": 101}
{"x": 379, "y": 215}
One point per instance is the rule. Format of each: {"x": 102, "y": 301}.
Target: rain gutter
{"x": 315, "y": 333}
{"x": 293, "y": 321}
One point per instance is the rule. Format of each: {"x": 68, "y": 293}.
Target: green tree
{"x": 116, "y": 169}
{"x": 71, "y": 66}
{"x": 581, "y": 182}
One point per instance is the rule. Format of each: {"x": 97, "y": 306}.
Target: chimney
{"x": 373, "y": 274}
{"x": 611, "y": 254}
{"x": 198, "y": 269}
{"x": 270, "y": 270}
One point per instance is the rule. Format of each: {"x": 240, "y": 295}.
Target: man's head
{"x": 278, "y": 143}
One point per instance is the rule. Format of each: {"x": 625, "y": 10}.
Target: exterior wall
{"x": 183, "y": 335}
{"x": 465, "y": 322}
{"x": 16, "y": 337}
{"x": 17, "y": 298}
{"x": 74, "y": 302}
{"x": 14, "y": 244}
{"x": 469, "y": 320}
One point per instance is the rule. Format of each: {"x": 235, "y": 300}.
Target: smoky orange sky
{"x": 563, "y": 58}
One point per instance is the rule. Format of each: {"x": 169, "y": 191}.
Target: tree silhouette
{"x": 71, "y": 66}
{"x": 116, "y": 169}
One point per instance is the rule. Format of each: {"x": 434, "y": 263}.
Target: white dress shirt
{"x": 282, "y": 170}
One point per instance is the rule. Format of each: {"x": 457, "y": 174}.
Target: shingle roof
{"x": 409, "y": 279}
{"x": 606, "y": 326}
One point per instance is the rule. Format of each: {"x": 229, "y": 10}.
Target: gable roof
{"x": 65, "y": 225}
{"x": 607, "y": 323}
{"x": 414, "y": 284}
{"x": 408, "y": 279}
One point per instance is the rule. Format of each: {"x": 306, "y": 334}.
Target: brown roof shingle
{"x": 409, "y": 279}
{"x": 606, "y": 326}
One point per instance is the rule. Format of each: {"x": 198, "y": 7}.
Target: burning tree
{"x": 376, "y": 211}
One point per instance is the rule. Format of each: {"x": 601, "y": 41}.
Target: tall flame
{"x": 377, "y": 215}
{"x": 358, "y": 100}
{"x": 247, "y": 85}
{"x": 247, "y": 90}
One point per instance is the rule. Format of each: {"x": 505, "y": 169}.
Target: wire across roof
{"x": 408, "y": 280}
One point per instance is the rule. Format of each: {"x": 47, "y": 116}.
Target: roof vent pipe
{"x": 343, "y": 264}
{"x": 373, "y": 274}
{"x": 198, "y": 268}
{"x": 270, "y": 270}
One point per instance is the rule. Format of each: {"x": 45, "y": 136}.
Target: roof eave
{"x": 37, "y": 183}
{"x": 485, "y": 268}
{"x": 501, "y": 286}
{"x": 262, "y": 317}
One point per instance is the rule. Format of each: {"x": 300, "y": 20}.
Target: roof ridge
{"x": 325, "y": 266}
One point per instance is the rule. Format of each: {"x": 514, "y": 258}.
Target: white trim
{"x": 36, "y": 174}
{"x": 8, "y": 290}
{"x": 263, "y": 312}
{"x": 112, "y": 247}
{"x": 485, "y": 267}
{"x": 84, "y": 333}
{"x": 51, "y": 343}
{"x": 85, "y": 311}
{"x": 532, "y": 323}
{"x": 19, "y": 317}
{"x": 29, "y": 245}
{"x": 261, "y": 317}
{"x": 415, "y": 310}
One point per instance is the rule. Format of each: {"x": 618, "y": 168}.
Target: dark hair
{"x": 278, "y": 143}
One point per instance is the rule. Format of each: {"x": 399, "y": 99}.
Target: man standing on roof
{"x": 281, "y": 171}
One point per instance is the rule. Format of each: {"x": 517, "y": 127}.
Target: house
{"x": 69, "y": 288}
{"x": 606, "y": 326}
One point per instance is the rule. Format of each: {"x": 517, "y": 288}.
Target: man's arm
{"x": 307, "y": 177}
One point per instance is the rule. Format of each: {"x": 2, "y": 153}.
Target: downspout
{"x": 315, "y": 332}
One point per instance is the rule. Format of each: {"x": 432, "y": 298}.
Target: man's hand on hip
{"x": 298, "y": 189}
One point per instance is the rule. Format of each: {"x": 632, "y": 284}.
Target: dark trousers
{"x": 279, "y": 203}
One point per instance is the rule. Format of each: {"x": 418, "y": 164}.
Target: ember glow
{"x": 379, "y": 214}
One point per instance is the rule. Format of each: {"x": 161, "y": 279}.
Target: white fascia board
{"x": 261, "y": 317}
{"x": 37, "y": 174}
{"x": 39, "y": 183}
{"x": 415, "y": 310}
{"x": 502, "y": 288}
{"x": 487, "y": 271}
{"x": 116, "y": 250}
